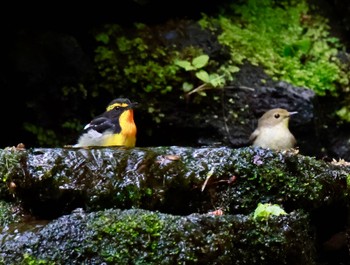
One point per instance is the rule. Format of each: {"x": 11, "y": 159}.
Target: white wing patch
{"x": 90, "y": 138}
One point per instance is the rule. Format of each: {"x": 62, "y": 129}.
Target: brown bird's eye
{"x": 277, "y": 116}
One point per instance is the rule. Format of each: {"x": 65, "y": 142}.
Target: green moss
{"x": 286, "y": 39}
{"x": 290, "y": 180}
{"x": 11, "y": 164}
{"x": 136, "y": 234}
{"x": 30, "y": 260}
{"x": 8, "y": 213}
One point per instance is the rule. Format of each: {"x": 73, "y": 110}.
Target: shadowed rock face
{"x": 227, "y": 116}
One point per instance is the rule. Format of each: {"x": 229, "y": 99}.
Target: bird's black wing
{"x": 106, "y": 121}
{"x": 100, "y": 124}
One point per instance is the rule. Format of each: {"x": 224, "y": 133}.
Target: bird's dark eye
{"x": 277, "y": 116}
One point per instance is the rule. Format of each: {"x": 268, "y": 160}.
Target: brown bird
{"x": 273, "y": 132}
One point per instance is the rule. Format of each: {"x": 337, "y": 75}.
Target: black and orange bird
{"x": 114, "y": 127}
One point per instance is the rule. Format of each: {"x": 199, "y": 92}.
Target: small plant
{"x": 344, "y": 113}
{"x": 265, "y": 210}
{"x": 210, "y": 81}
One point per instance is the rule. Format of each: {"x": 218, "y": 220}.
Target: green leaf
{"x": 200, "y": 61}
{"x": 216, "y": 80}
{"x": 184, "y": 64}
{"x": 102, "y": 37}
{"x": 186, "y": 87}
{"x": 203, "y": 75}
{"x": 344, "y": 113}
{"x": 264, "y": 211}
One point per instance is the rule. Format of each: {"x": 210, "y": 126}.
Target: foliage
{"x": 290, "y": 42}
{"x": 44, "y": 136}
{"x": 265, "y": 210}
{"x": 58, "y": 116}
{"x": 209, "y": 80}
{"x": 133, "y": 61}
{"x": 9, "y": 162}
{"x": 344, "y": 113}
{"x": 8, "y": 214}
{"x": 286, "y": 39}
{"x": 143, "y": 61}
{"x": 30, "y": 260}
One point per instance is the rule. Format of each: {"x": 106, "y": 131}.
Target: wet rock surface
{"x": 207, "y": 193}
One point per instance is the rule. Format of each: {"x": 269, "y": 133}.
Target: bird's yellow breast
{"x": 120, "y": 140}
{"x": 127, "y": 135}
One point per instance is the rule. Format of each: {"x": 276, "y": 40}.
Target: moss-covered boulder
{"x": 143, "y": 237}
{"x": 178, "y": 180}
{"x": 181, "y": 181}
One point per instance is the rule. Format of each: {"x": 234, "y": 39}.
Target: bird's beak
{"x": 133, "y": 105}
{"x": 292, "y": 113}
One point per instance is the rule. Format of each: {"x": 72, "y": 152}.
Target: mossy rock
{"x": 177, "y": 180}
{"x": 182, "y": 181}
{"x": 143, "y": 237}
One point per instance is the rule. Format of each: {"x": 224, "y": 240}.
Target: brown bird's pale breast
{"x": 273, "y": 132}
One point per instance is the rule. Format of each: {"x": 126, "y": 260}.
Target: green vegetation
{"x": 344, "y": 113}
{"x": 103, "y": 178}
{"x": 138, "y": 236}
{"x": 209, "y": 80}
{"x": 44, "y": 136}
{"x": 143, "y": 63}
{"x": 8, "y": 214}
{"x": 133, "y": 61}
{"x": 9, "y": 162}
{"x": 30, "y": 260}
{"x": 265, "y": 210}
{"x": 286, "y": 39}
{"x": 135, "y": 234}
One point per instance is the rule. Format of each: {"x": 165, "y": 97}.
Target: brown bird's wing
{"x": 253, "y": 136}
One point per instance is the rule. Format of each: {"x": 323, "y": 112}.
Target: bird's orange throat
{"x": 128, "y": 126}
{"x": 127, "y": 123}
{"x": 127, "y": 135}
